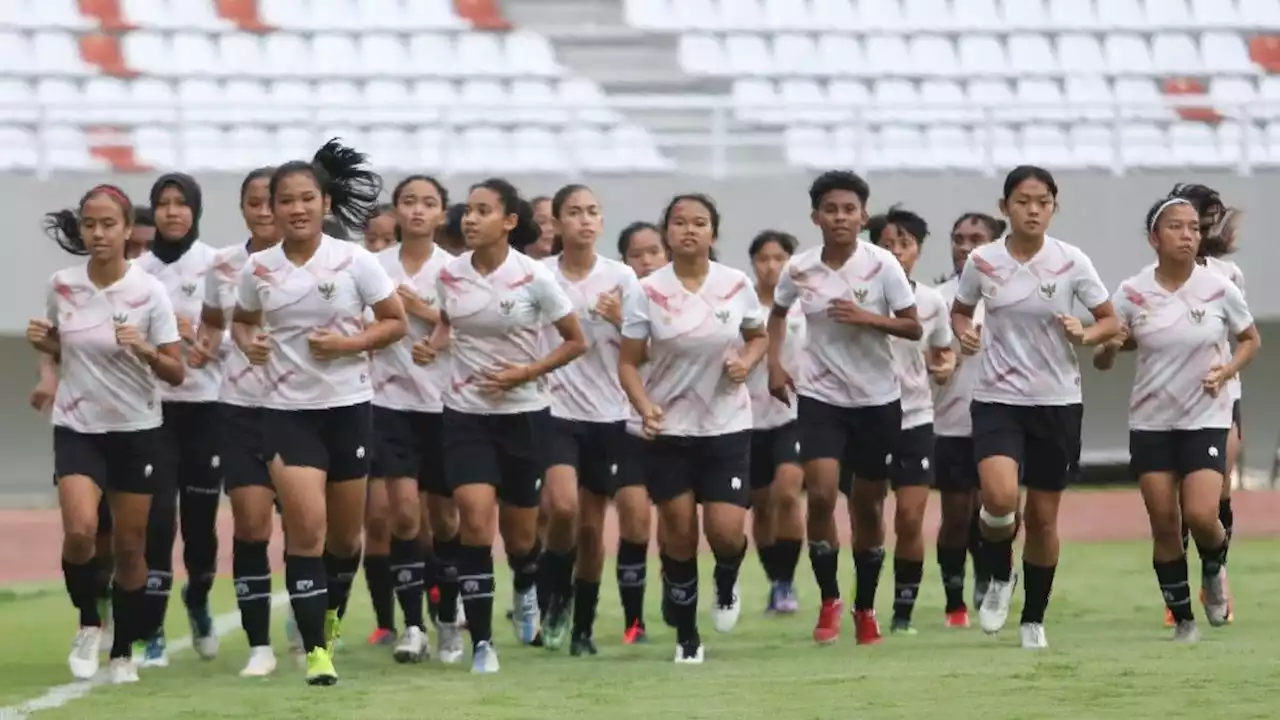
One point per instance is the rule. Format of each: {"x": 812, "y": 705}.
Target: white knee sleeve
{"x": 997, "y": 521}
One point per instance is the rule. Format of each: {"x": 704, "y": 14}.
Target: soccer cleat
{"x": 154, "y": 653}
{"x": 291, "y": 632}
{"x": 783, "y": 598}
{"x": 484, "y": 658}
{"x": 527, "y": 618}
{"x": 203, "y": 639}
{"x": 958, "y": 619}
{"x": 635, "y": 634}
{"x": 556, "y": 629}
{"x": 724, "y": 616}
{"x": 122, "y": 671}
{"x": 85, "y": 647}
{"x": 827, "y": 630}
{"x": 332, "y": 633}
{"x": 1169, "y": 620}
{"x": 1033, "y": 637}
{"x": 449, "y": 643}
{"x": 866, "y": 629}
{"x": 262, "y": 662}
{"x": 1213, "y": 594}
{"x": 320, "y": 670}
{"x": 381, "y": 636}
{"x": 995, "y": 604}
{"x": 900, "y": 626}
{"x": 690, "y": 653}
{"x": 1186, "y": 632}
{"x": 414, "y": 646}
{"x": 582, "y": 645}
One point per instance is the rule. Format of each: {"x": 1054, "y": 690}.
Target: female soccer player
{"x": 1179, "y": 317}
{"x": 701, "y": 329}
{"x": 112, "y": 329}
{"x": 243, "y": 458}
{"x": 544, "y": 218}
{"x": 380, "y": 230}
{"x": 588, "y": 415}
{"x": 955, "y": 470}
{"x": 407, "y": 420}
{"x": 496, "y": 301}
{"x": 902, "y": 233}
{"x": 192, "y": 421}
{"x": 1026, "y": 401}
{"x": 300, "y": 316}
{"x": 854, "y": 296}
{"x": 777, "y": 520}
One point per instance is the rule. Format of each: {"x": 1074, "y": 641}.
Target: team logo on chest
{"x": 860, "y": 295}
{"x": 188, "y": 289}
{"x": 327, "y": 290}
{"x": 506, "y": 306}
{"x": 1048, "y": 290}
{"x": 1197, "y": 315}
{"x": 120, "y": 318}
{"x": 723, "y": 316}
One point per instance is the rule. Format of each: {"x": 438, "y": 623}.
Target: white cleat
{"x": 1186, "y": 632}
{"x": 1217, "y": 604}
{"x": 687, "y": 655}
{"x": 414, "y": 646}
{"x": 262, "y": 662}
{"x": 526, "y": 616}
{"x": 85, "y": 647}
{"x": 1033, "y": 637}
{"x": 485, "y": 659}
{"x": 206, "y": 647}
{"x": 995, "y": 604}
{"x": 724, "y": 616}
{"x": 122, "y": 671}
{"x": 450, "y": 648}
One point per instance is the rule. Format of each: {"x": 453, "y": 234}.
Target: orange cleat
{"x": 1169, "y": 620}
{"x": 635, "y": 634}
{"x": 827, "y": 630}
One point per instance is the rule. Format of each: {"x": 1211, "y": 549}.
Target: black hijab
{"x": 169, "y": 250}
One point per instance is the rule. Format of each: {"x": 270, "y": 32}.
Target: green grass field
{"x": 1109, "y": 658}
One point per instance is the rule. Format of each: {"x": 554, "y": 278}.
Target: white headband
{"x": 1165, "y": 206}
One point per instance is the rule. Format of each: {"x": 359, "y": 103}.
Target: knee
{"x": 1199, "y": 519}
{"x": 444, "y": 519}
{"x": 560, "y": 509}
{"x": 786, "y": 499}
{"x": 405, "y": 521}
{"x": 822, "y": 499}
{"x": 1040, "y": 524}
{"x": 253, "y": 529}
{"x": 78, "y": 544}
{"x": 908, "y": 523}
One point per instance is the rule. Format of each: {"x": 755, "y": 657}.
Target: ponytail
{"x": 526, "y": 232}
{"x": 63, "y": 226}
{"x": 342, "y": 174}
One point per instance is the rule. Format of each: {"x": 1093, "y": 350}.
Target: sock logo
{"x": 304, "y": 585}
{"x": 630, "y": 576}
{"x": 470, "y": 587}
{"x": 242, "y": 589}
{"x": 404, "y": 576}
{"x": 154, "y": 582}
{"x": 679, "y": 594}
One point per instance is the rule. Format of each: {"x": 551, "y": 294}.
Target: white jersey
{"x": 691, "y": 335}
{"x": 102, "y": 386}
{"x": 844, "y": 365}
{"x": 1026, "y": 356}
{"x": 497, "y": 319}
{"x": 184, "y": 279}
{"x": 1232, "y": 272}
{"x": 909, "y": 356}
{"x": 399, "y": 383}
{"x": 768, "y": 411}
{"x": 587, "y": 388}
{"x": 1180, "y": 336}
{"x": 951, "y": 400}
{"x": 243, "y": 383}
{"x": 328, "y": 292}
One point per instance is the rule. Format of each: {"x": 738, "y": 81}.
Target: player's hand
{"x": 847, "y": 312}
{"x": 1073, "y": 328}
{"x": 736, "y": 369}
{"x": 1117, "y": 343}
{"x": 186, "y": 329}
{"x": 413, "y": 303}
{"x": 39, "y": 330}
{"x": 971, "y": 340}
{"x": 652, "y": 421}
{"x": 423, "y": 352}
{"x": 1215, "y": 380}
{"x": 781, "y": 386}
{"x": 42, "y": 396}
{"x": 507, "y": 377}
{"x": 329, "y": 345}
{"x": 258, "y": 350}
{"x": 609, "y": 306}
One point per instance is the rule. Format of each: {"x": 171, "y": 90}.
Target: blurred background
{"x": 933, "y": 100}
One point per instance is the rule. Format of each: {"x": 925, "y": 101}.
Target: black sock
{"x": 251, "y": 573}
{"x": 999, "y": 556}
{"x": 632, "y": 572}
{"x": 430, "y": 588}
{"x": 1186, "y": 534}
{"x": 162, "y": 530}
{"x": 981, "y": 571}
{"x": 475, "y": 579}
{"x": 1174, "y": 587}
{"x": 1228, "y": 518}
{"x": 586, "y": 596}
{"x": 524, "y": 569}
{"x": 726, "y": 574}
{"x": 682, "y": 593}
{"x": 307, "y": 580}
{"x": 558, "y": 568}
{"x": 1212, "y": 559}
{"x": 1037, "y": 586}
{"x": 907, "y": 576}
{"x": 786, "y": 556}
{"x": 199, "y": 513}
{"x": 447, "y": 577}
{"x": 406, "y": 579}
{"x": 951, "y": 563}
{"x": 825, "y": 559}
{"x": 82, "y": 586}
{"x": 341, "y": 574}
{"x": 768, "y": 560}
{"x": 129, "y": 619}
{"x": 377, "y": 576}
{"x": 866, "y": 572}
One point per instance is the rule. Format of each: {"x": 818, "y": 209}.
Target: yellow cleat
{"x": 320, "y": 669}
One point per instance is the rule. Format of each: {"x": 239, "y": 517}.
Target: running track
{"x": 30, "y": 540}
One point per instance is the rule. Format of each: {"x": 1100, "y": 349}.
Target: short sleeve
{"x": 218, "y": 290}
{"x": 940, "y": 325}
{"x": 635, "y": 315}
{"x": 1237, "y": 277}
{"x": 1087, "y": 286}
{"x": 553, "y": 303}
{"x": 1236, "y": 310}
{"x": 632, "y": 293}
{"x": 786, "y": 293}
{"x": 373, "y": 284}
{"x": 1120, "y": 301}
{"x": 897, "y": 288}
{"x": 969, "y": 285}
{"x": 162, "y": 325}
{"x": 753, "y": 313}
{"x": 247, "y": 289}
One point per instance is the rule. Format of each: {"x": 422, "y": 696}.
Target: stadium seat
{"x": 1082, "y": 54}
{"x": 841, "y": 55}
{"x": 755, "y": 100}
{"x": 932, "y": 56}
{"x": 1121, "y": 15}
{"x": 1127, "y": 54}
{"x": 54, "y": 52}
{"x": 536, "y": 102}
{"x": 748, "y": 55}
{"x": 1167, "y": 14}
{"x": 648, "y": 14}
{"x": 65, "y": 147}
{"x": 1225, "y": 53}
{"x": 1175, "y": 54}
{"x": 744, "y": 15}
{"x": 1026, "y": 15}
{"x": 952, "y": 147}
{"x": 587, "y": 102}
{"x": 788, "y": 15}
{"x": 944, "y": 101}
{"x": 1260, "y": 14}
{"x": 833, "y": 14}
{"x": 19, "y": 148}
{"x": 1093, "y": 146}
{"x": 976, "y": 15}
{"x": 1032, "y": 54}
{"x": 695, "y": 14}
{"x": 59, "y": 99}
{"x": 431, "y": 53}
{"x": 983, "y": 56}
{"x": 530, "y": 54}
{"x": 381, "y": 54}
{"x": 887, "y": 56}
{"x": 1071, "y": 14}
{"x": 794, "y": 55}
{"x": 880, "y": 15}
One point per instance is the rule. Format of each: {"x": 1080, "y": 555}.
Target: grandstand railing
{"x": 710, "y": 124}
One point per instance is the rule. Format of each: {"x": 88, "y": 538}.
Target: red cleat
{"x": 827, "y": 630}
{"x": 866, "y": 627}
{"x": 1169, "y": 620}
{"x": 382, "y": 636}
{"x": 958, "y": 618}
{"x": 634, "y": 634}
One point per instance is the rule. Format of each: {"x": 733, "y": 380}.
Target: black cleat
{"x": 582, "y": 645}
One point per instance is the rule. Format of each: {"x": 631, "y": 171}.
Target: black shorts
{"x": 954, "y": 468}
{"x": 713, "y": 468}
{"x": 1236, "y": 418}
{"x": 1043, "y": 439}
{"x": 860, "y": 438}
{"x": 772, "y": 448}
{"x": 407, "y": 444}
{"x": 336, "y": 440}
{"x": 194, "y": 430}
{"x": 631, "y": 452}
{"x": 244, "y": 460}
{"x": 913, "y": 458}
{"x": 506, "y": 451}
{"x": 133, "y": 461}
{"x": 591, "y": 448}
{"x": 1180, "y": 452}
